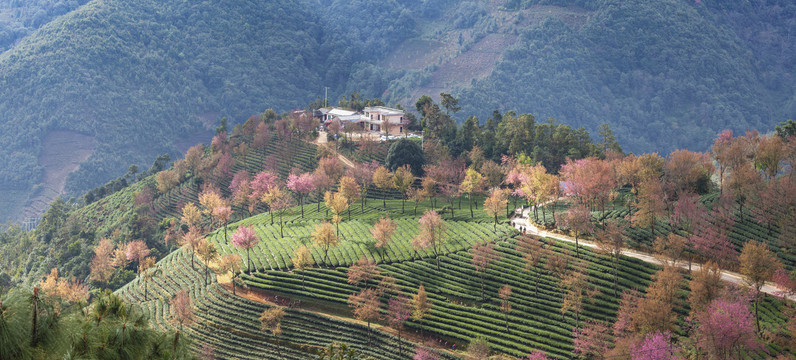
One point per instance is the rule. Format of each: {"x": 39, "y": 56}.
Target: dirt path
{"x": 323, "y": 140}
{"x": 523, "y": 221}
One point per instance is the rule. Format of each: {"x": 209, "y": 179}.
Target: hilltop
{"x": 264, "y": 221}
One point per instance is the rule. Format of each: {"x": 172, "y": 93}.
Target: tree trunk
{"x": 281, "y": 233}
{"x": 368, "y": 333}
{"x": 35, "y": 322}
{"x": 616, "y": 277}
{"x": 757, "y": 318}
{"x": 470, "y": 200}
{"x": 176, "y": 340}
{"x": 400, "y": 345}
{"x": 301, "y": 202}
{"x": 544, "y": 215}
{"x": 249, "y": 260}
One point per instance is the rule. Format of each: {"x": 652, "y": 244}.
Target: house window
{"x": 400, "y": 129}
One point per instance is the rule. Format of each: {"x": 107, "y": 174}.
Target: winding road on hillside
{"x": 523, "y": 221}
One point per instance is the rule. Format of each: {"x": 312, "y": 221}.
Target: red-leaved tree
{"x": 484, "y": 255}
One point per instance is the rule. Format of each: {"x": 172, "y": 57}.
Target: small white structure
{"x": 384, "y": 119}
{"x": 380, "y": 119}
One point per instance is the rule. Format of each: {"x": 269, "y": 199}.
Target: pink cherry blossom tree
{"x": 301, "y": 185}
{"x": 398, "y": 311}
{"x": 726, "y": 327}
{"x": 260, "y": 185}
{"x": 655, "y": 346}
{"x": 422, "y": 353}
{"x": 536, "y": 355}
{"x": 245, "y": 238}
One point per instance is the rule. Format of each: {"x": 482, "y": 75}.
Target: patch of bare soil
{"x": 62, "y": 153}
{"x": 475, "y": 63}
{"x": 184, "y": 143}
{"x": 416, "y": 54}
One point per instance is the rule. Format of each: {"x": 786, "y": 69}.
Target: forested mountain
{"x": 663, "y": 74}
{"x": 19, "y": 18}
{"x": 142, "y": 78}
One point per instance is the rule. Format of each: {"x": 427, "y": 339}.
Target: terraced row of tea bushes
{"x": 230, "y": 324}
{"x": 274, "y": 252}
{"x": 377, "y": 151}
{"x": 745, "y": 228}
{"x": 460, "y": 314}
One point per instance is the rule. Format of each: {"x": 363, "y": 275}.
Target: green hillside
{"x": 664, "y": 74}
{"x": 139, "y": 76}
{"x": 21, "y": 18}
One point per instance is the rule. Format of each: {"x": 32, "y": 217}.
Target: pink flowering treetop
{"x": 245, "y": 238}
{"x": 301, "y": 185}
{"x": 136, "y": 251}
{"x": 262, "y": 182}
{"x": 425, "y": 354}
{"x": 536, "y": 355}
{"x": 655, "y": 346}
{"x": 726, "y": 327}
{"x": 786, "y": 282}
{"x": 594, "y": 339}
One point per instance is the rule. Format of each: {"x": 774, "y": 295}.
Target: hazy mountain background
{"x": 89, "y": 88}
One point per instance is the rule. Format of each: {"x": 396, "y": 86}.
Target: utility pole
{"x": 325, "y": 96}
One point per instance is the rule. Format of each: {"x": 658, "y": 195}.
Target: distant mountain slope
{"x": 142, "y": 76}
{"x": 663, "y": 74}
{"x": 19, "y": 18}
{"x": 138, "y": 75}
